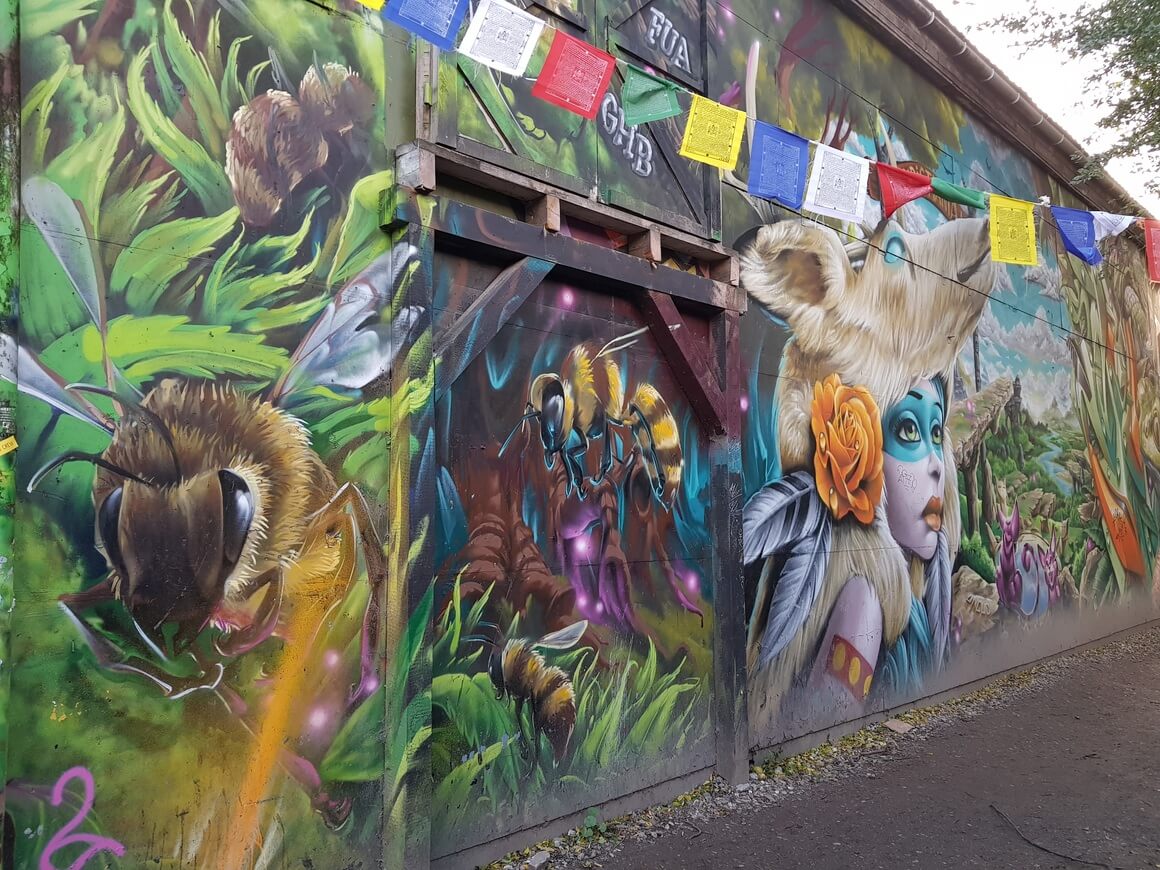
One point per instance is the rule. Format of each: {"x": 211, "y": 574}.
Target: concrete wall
{"x": 388, "y": 526}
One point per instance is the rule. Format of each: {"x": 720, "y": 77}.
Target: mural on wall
{"x": 939, "y": 451}
{"x": 216, "y": 361}
{"x": 573, "y": 628}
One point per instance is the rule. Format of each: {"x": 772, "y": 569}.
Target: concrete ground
{"x": 1055, "y": 768}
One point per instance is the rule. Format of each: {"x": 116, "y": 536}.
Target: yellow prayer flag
{"x": 1013, "y": 231}
{"x": 713, "y": 133}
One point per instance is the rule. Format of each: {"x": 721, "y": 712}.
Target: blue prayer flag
{"x": 1078, "y": 229}
{"x": 777, "y": 165}
{"x": 437, "y": 21}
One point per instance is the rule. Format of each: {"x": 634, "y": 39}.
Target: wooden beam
{"x": 689, "y": 363}
{"x": 679, "y": 235}
{"x": 618, "y": 272}
{"x": 545, "y": 212}
{"x": 646, "y": 245}
{"x": 415, "y": 168}
{"x": 727, "y": 270}
{"x": 471, "y": 332}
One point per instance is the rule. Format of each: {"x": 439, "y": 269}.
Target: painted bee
{"x": 214, "y": 511}
{"x": 587, "y": 398}
{"x": 277, "y": 139}
{"x": 518, "y": 670}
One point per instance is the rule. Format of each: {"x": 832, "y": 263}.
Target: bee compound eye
{"x": 108, "y": 526}
{"x": 237, "y": 514}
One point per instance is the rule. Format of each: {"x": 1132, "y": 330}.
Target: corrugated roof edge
{"x": 916, "y": 30}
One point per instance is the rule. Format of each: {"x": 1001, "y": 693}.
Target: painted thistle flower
{"x": 847, "y": 431}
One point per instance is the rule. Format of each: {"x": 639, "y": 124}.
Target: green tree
{"x": 1121, "y": 39}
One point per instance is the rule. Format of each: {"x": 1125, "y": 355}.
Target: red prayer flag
{"x": 900, "y": 186}
{"x": 575, "y": 75}
{"x": 1152, "y": 248}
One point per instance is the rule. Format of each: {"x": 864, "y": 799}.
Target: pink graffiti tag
{"x": 65, "y": 837}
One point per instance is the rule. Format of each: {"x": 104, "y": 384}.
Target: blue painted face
{"x": 913, "y": 428}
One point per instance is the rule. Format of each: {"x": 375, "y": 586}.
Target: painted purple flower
{"x": 731, "y": 96}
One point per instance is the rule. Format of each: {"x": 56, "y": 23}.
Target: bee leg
{"x": 520, "y": 724}
{"x": 574, "y": 457}
{"x": 651, "y": 458}
{"x": 350, "y": 498}
{"x": 111, "y": 658}
{"x": 605, "y": 455}
{"x": 265, "y": 620}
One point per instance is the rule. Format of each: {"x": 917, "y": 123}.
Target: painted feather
{"x": 937, "y": 599}
{"x": 787, "y": 522}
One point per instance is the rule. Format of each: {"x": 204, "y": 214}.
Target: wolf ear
{"x": 793, "y": 268}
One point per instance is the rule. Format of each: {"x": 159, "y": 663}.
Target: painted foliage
{"x": 940, "y": 452}
{"x": 220, "y": 360}
{"x": 573, "y": 623}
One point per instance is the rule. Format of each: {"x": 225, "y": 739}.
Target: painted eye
{"x": 936, "y": 433}
{"x": 895, "y": 251}
{"x": 907, "y": 432}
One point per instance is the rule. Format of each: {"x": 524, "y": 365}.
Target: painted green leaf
{"x": 192, "y": 69}
{"x": 356, "y": 755}
{"x": 360, "y": 238}
{"x": 203, "y": 175}
{"x": 82, "y": 169}
{"x": 453, "y": 795}
{"x": 144, "y": 347}
{"x": 41, "y": 17}
{"x": 158, "y": 255}
{"x": 650, "y": 732}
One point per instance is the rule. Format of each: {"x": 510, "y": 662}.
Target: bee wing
{"x": 40, "y": 383}
{"x": 340, "y": 351}
{"x": 66, "y": 233}
{"x": 565, "y": 638}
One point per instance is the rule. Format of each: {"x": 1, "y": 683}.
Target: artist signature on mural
{"x": 662, "y": 34}
{"x": 64, "y": 838}
{"x": 634, "y": 144}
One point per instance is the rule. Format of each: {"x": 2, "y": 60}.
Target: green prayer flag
{"x": 647, "y": 98}
{"x": 962, "y": 195}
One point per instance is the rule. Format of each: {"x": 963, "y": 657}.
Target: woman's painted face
{"x": 912, "y": 433}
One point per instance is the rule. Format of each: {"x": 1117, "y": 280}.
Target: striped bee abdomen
{"x": 660, "y": 440}
{"x": 554, "y": 708}
{"x": 529, "y": 678}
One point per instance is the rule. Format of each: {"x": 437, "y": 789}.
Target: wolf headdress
{"x": 903, "y": 317}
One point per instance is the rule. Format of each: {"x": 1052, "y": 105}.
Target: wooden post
{"x": 730, "y": 701}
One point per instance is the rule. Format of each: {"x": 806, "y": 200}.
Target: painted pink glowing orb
{"x": 318, "y": 717}
{"x": 331, "y": 658}
{"x": 777, "y": 15}
{"x": 567, "y": 298}
{"x": 582, "y": 601}
{"x": 599, "y": 606}
{"x": 744, "y": 404}
{"x": 582, "y": 546}
{"x": 691, "y": 581}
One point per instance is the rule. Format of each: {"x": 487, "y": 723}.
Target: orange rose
{"x": 848, "y": 449}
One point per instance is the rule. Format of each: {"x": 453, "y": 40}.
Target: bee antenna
{"x": 517, "y": 428}
{"x": 152, "y": 417}
{"x": 78, "y": 456}
{"x": 621, "y": 342}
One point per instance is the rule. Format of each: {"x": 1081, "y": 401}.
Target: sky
{"x": 1057, "y": 86}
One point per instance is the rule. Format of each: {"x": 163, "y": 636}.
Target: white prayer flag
{"x": 1111, "y": 224}
{"x": 837, "y": 185}
{"x": 502, "y": 36}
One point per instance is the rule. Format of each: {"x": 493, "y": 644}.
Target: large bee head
{"x": 172, "y": 548}
{"x": 495, "y": 671}
{"x": 548, "y": 399}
